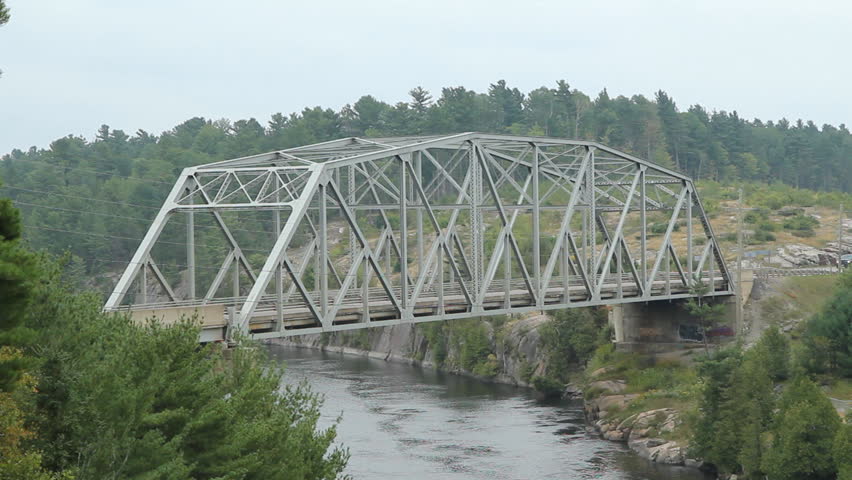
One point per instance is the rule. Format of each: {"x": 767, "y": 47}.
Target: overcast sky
{"x": 69, "y": 67}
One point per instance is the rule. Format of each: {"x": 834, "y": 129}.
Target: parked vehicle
{"x": 846, "y": 260}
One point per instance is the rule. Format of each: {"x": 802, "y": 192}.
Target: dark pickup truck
{"x": 846, "y": 260}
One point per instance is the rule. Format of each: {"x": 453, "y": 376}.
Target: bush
{"x": 572, "y": 336}
{"x": 548, "y": 386}
{"x": 800, "y": 222}
{"x": 761, "y": 236}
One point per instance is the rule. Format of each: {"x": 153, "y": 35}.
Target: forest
{"x": 95, "y": 199}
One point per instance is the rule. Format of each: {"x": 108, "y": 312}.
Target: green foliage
{"x": 707, "y": 313}
{"x": 571, "y": 338}
{"x": 842, "y": 452}
{"x": 121, "y": 400}
{"x": 4, "y": 13}
{"x": 801, "y": 225}
{"x": 19, "y": 277}
{"x": 828, "y": 335}
{"x": 803, "y": 435}
{"x": 548, "y": 386}
{"x": 715, "y": 373}
{"x": 773, "y": 349}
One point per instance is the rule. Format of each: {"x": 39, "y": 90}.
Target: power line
{"x": 96, "y": 172}
{"x": 112, "y": 237}
{"x": 70, "y": 210}
{"x": 146, "y": 220}
{"x": 80, "y": 198}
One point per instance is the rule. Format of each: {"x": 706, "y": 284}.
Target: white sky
{"x": 69, "y": 67}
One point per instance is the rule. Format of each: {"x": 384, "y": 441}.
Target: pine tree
{"x": 18, "y": 278}
{"x": 803, "y": 435}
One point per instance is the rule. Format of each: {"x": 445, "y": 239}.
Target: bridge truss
{"x": 378, "y": 231}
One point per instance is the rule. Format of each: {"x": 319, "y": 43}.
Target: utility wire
{"x": 146, "y": 220}
{"x": 96, "y": 172}
{"x": 69, "y": 210}
{"x": 111, "y": 237}
{"x": 79, "y": 197}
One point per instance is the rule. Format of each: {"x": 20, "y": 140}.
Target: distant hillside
{"x": 97, "y": 198}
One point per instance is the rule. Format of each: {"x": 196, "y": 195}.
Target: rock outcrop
{"x": 644, "y": 432}
{"x": 518, "y": 352}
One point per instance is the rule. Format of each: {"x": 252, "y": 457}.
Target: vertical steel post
{"x": 353, "y": 244}
{"x": 475, "y": 226}
{"x": 190, "y": 249}
{"x": 643, "y": 233}
{"x": 507, "y": 272}
{"x": 440, "y": 263}
{"x": 840, "y": 239}
{"x": 418, "y": 168}
{"x": 235, "y": 280}
{"x": 566, "y": 270}
{"x": 739, "y": 290}
{"x": 144, "y": 282}
{"x": 279, "y": 270}
{"x": 323, "y": 252}
{"x": 593, "y": 240}
{"x": 536, "y": 230}
{"x": 689, "y": 253}
{"x": 403, "y": 232}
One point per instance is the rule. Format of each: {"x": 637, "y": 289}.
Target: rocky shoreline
{"x": 641, "y": 431}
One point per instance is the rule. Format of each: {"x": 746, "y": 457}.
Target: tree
{"x": 572, "y": 336}
{"x": 4, "y": 18}
{"x": 774, "y": 348}
{"x": 420, "y": 99}
{"x": 803, "y": 435}
{"x": 16, "y": 461}
{"x": 715, "y": 373}
{"x": 828, "y": 335}
{"x": 18, "y": 279}
{"x": 667, "y": 111}
{"x": 843, "y": 452}
{"x": 708, "y": 314}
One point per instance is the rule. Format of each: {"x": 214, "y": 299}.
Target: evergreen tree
{"x": 774, "y": 349}
{"x": 803, "y": 435}
{"x": 843, "y": 452}
{"x": 828, "y": 335}
{"x": 19, "y": 275}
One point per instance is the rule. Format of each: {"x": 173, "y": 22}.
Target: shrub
{"x": 548, "y": 386}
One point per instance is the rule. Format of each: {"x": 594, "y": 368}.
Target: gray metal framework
{"x": 378, "y": 231}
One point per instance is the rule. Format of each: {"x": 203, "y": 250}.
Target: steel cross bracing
{"x": 381, "y": 231}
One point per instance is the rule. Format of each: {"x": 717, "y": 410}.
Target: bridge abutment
{"x": 661, "y": 326}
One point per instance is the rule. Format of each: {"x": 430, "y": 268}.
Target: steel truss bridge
{"x": 362, "y": 232}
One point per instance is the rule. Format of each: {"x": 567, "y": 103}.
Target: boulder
{"x": 600, "y": 406}
{"x": 658, "y": 450}
{"x": 572, "y": 392}
{"x": 611, "y": 386}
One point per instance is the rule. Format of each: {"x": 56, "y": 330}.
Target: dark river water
{"x": 400, "y": 421}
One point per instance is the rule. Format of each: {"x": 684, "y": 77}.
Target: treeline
{"x": 97, "y": 198}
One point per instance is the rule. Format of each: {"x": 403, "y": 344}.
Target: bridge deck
{"x": 432, "y": 304}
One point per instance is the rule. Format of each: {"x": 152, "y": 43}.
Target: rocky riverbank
{"x": 644, "y": 432}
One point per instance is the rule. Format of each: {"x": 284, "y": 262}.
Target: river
{"x": 400, "y": 421}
